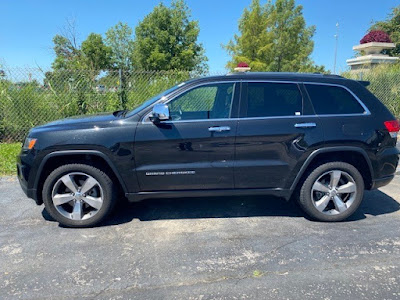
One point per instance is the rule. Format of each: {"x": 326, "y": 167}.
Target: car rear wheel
{"x": 78, "y": 195}
{"x": 332, "y": 192}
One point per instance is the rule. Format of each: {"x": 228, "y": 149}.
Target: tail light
{"x": 393, "y": 127}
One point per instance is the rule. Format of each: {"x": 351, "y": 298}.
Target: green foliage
{"x": 119, "y": 39}
{"x": 95, "y": 54}
{"x": 67, "y": 55}
{"x": 167, "y": 40}
{"x": 392, "y": 27}
{"x": 68, "y": 93}
{"x": 22, "y": 106}
{"x": 273, "y": 37}
{"x": 385, "y": 84}
{"x": 8, "y": 161}
{"x": 75, "y": 70}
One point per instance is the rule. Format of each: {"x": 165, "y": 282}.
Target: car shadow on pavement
{"x": 375, "y": 203}
{"x": 203, "y": 208}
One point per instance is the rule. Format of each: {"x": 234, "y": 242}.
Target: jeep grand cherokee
{"x": 319, "y": 139}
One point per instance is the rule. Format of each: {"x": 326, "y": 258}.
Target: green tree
{"x": 95, "y": 54}
{"x": 392, "y": 27}
{"x": 166, "y": 39}
{"x": 119, "y": 39}
{"x": 76, "y": 68}
{"x": 273, "y": 37}
{"x": 66, "y": 53}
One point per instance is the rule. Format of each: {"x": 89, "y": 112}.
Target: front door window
{"x": 207, "y": 102}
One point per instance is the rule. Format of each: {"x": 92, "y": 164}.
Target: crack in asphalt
{"x": 346, "y": 265}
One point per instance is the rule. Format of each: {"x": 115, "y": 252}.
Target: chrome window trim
{"x": 366, "y": 110}
{"x": 166, "y": 101}
{"x": 235, "y": 119}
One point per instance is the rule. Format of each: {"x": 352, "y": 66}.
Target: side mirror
{"x": 160, "y": 113}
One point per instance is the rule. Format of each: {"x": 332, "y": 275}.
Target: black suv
{"x": 320, "y": 139}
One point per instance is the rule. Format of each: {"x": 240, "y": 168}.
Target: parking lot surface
{"x": 212, "y": 248}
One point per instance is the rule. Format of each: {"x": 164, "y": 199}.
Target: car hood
{"x": 81, "y": 122}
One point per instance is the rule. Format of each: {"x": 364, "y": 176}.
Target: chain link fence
{"x": 384, "y": 84}
{"x": 30, "y": 97}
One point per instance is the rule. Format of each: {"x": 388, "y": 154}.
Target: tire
{"x": 78, "y": 195}
{"x": 332, "y": 192}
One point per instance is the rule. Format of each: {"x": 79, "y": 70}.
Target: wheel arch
{"x": 353, "y": 155}
{"x": 56, "y": 159}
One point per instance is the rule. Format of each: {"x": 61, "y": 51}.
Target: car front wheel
{"x": 78, "y": 195}
{"x": 332, "y": 192}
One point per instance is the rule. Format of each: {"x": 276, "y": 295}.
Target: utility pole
{"x": 336, "y": 46}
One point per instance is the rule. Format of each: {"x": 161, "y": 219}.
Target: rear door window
{"x": 267, "y": 99}
{"x": 333, "y": 100}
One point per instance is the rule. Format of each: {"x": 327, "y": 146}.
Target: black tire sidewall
{"x": 306, "y": 201}
{"x": 104, "y": 181}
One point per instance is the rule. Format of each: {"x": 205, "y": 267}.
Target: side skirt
{"x": 137, "y": 197}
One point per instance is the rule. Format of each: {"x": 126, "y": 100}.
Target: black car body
{"x": 244, "y": 133}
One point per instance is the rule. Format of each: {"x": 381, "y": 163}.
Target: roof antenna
{"x": 336, "y": 46}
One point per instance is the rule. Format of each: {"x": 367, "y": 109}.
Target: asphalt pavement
{"x": 212, "y": 248}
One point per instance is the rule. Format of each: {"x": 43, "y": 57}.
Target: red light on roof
{"x": 242, "y": 65}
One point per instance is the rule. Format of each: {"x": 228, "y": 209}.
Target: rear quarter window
{"x": 333, "y": 100}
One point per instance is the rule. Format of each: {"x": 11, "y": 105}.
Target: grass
{"x": 8, "y": 158}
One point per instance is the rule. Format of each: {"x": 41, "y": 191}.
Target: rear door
{"x": 195, "y": 149}
{"x": 277, "y": 130}
{"x": 345, "y": 117}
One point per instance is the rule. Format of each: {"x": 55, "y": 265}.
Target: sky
{"x": 27, "y": 27}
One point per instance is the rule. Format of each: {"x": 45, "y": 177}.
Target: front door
{"x": 194, "y": 150}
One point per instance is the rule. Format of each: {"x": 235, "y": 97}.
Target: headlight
{"x": 29, "y": 143}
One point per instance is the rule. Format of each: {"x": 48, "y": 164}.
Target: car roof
{"x": 281, "y": 76}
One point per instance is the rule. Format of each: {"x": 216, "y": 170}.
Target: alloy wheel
{"x": 334, "y": 192}
{"x": 77, "y": 196}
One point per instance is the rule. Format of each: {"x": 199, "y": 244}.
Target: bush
{"x": 376, "y": 36}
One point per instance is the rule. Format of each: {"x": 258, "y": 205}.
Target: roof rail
{"x": 364, "y": 82}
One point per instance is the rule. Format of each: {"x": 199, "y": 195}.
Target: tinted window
{"x": 153, "y": 100}
{"x": 205, "y": 102}
{"x": 273, "y": 99}
{"x": 328, "y": 100}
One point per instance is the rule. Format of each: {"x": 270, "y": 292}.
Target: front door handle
{"x": 219, "y": 129}
{"x": 305, "y": 125}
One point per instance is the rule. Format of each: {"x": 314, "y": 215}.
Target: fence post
{"x": 122, "y": 86}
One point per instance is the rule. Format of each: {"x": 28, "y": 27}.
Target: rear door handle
{"x": 219, "y": 129}
{"x": 305, "y": 125}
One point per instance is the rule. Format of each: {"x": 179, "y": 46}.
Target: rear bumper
{"x": 385, "y": 167}
{"x": 377, "y": 183}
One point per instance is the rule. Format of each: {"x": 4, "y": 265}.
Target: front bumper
{"x": 23, "y": 170}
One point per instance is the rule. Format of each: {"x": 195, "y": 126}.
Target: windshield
{"x": 153, "y": 100}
